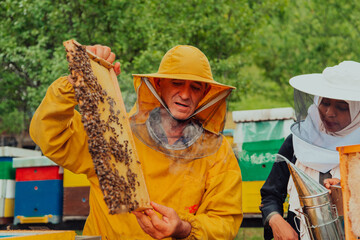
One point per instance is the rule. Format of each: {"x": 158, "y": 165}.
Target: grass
{"x": 250, "y": 234}
{"x": 257, "y": 102}
{"x": 243, "y": 234}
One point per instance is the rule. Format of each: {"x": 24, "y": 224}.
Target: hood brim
{"x": 189, "y": 77}
{"x": 315, "y": 84}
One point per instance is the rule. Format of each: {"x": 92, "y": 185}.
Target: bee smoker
{"x": 321, "y": 216}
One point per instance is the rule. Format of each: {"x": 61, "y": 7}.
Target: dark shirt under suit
{"x": 274, "y": 191}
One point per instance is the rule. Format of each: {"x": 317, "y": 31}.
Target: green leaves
{"x": 13, "y": 122}
{"x": 306, "y": 37}
{"x": 256, "y": 46}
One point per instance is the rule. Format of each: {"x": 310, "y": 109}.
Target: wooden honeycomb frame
{"x": 105, "y": 120}
{"x": 347, "y": 154}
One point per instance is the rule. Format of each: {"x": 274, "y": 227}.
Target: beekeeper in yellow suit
{"x": 191, "y": 173}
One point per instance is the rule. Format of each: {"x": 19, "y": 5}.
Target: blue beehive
{"x": 38, "y": 199}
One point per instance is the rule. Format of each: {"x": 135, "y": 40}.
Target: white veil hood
{"x": 314, "y": 147}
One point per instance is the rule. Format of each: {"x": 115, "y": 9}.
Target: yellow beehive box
{"x": 251, "y": 198}
{"x": 7, "y": 195}
{"x": 75, "y": 180}
{"x": 9, "y": 207}
{"x": 37, "y": 235}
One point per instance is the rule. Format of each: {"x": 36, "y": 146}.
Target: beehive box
{"x": 37, "y": 235}
{"x": 251, "y": 198}
{"x": 6, "y": 169}
{"x": 75, "y": 180}
{"x": 229, "y": 135}
{"x": 257, "y": 158}
{"x": 76, "y": 203}
{"x": 38, "y": 190}
{"x": 76, "y": 196}
{"x": 111, "y": 144}
{"x": 38, "y": 202}
{"x": 258, "y": 136}
{"x": 350, "y": 176}
{"x": 7, "y": 180}
{"x": 7, "y": 197}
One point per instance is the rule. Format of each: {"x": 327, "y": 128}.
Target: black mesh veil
{"x": 302, "y": 102}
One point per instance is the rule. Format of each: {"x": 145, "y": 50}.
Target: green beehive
{"x": 6, "y": 169}
{"x": 6, "y": 157}
{"x": 258, "y": 136}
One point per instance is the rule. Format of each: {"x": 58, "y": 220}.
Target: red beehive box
{"x": 38, "y": 173}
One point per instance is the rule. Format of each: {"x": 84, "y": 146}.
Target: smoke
{"x": 281, "y": 158}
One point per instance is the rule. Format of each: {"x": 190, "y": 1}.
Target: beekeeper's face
{"x": 181, "y": 96}
{"x": 335, "y": 114}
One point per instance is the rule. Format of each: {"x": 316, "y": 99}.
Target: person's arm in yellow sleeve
{"x": 56, "y": 127}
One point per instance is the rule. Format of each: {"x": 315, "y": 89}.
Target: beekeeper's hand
{"x": 170, "y": 225}
{"x": 331, "y": 181}
{"x": 105, "y": 53}
{"x": 282, "y": 230}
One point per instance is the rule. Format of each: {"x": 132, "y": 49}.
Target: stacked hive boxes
{"x": 7, "y": 180}
{"x": 258, "y": 136}
{"x": 38, "y": 190}
{"x": 229, "y": 135}
{"x": 76, "y": 196}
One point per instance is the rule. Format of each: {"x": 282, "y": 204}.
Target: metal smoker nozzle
{"x": 305, "y": 185}
{"x": 321, "y": 220}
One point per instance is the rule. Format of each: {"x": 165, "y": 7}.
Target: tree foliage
{"x": 306, "y": 37}
{"x": 254, "y": 45}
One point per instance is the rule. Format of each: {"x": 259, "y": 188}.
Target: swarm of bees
{"x": 118, "y": 190}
